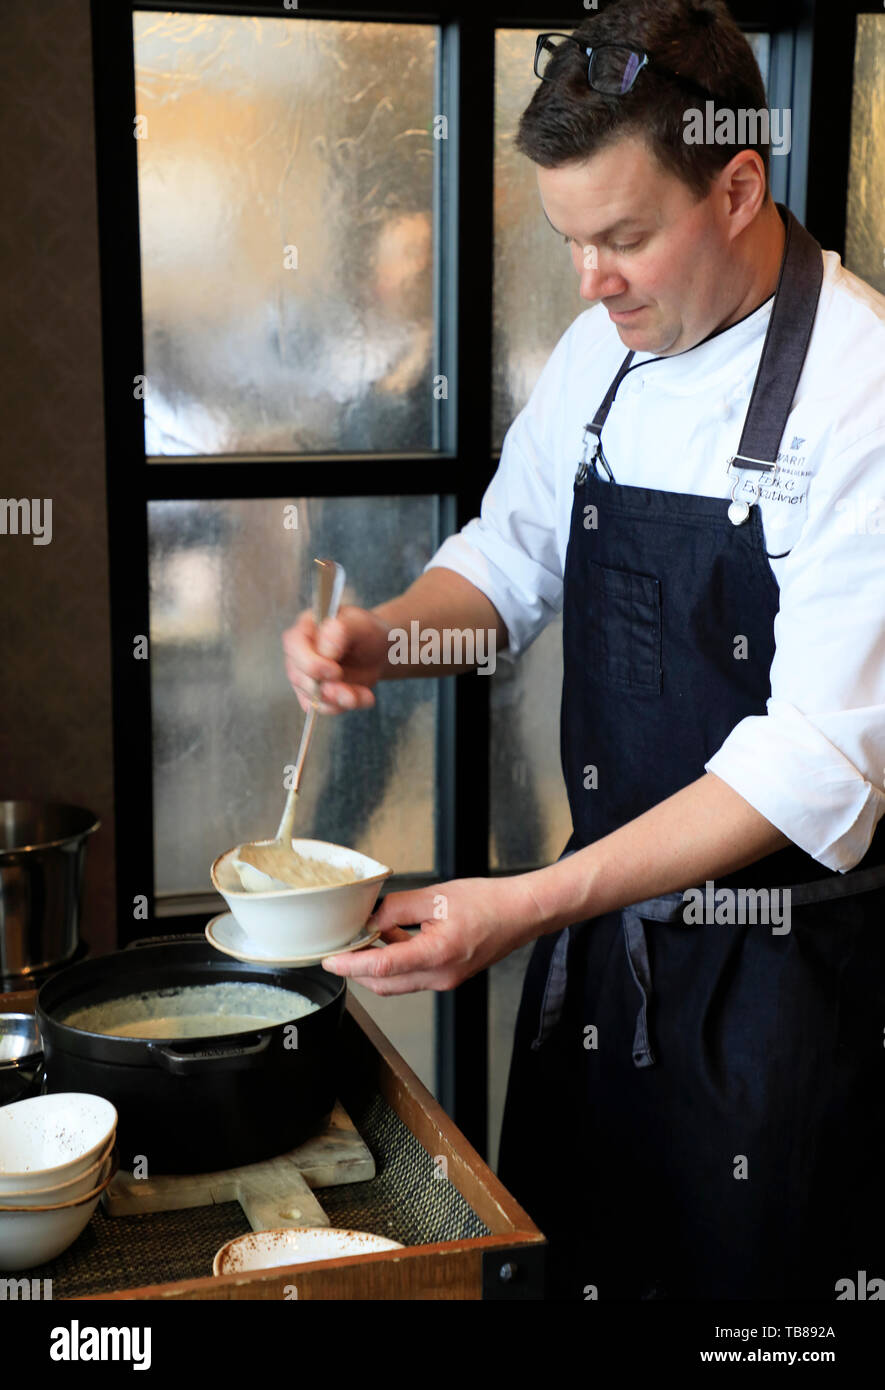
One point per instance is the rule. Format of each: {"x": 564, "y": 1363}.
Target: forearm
{"x": 705, "y": 831}
{"x": 441, "y": 600}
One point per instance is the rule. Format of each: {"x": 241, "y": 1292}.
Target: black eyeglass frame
{"x": 646, "y": 61}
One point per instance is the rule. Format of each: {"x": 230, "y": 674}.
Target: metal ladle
{"x": 267, "y": 864}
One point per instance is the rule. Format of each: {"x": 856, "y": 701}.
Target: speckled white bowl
{"x": 29, "y": 1238}
{"x": 302, "y": 921}
{"x": 62, "y": 1191}
{"x": 300, "y": 1245}
{"x": 47, "y": 1140}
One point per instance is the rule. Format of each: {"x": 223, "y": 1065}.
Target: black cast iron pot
{"x": 196, "y": 1105}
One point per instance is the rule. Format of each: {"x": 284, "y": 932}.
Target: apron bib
{"x": 724, "y": 1126}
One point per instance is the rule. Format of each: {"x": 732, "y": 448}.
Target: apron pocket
{"x": 624, "y": 629}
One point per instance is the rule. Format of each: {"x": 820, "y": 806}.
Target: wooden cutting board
{"x": 273, "y": 1194}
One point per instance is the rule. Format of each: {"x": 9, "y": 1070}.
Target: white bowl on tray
{"x": 303, "y": 921}
{"x": 30, "y": 1237}
{"x": 296, "y": 1245}
{"x": 48, "y": 1140}
{"x": 64, "y": 1191}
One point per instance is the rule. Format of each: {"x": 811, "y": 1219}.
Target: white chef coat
{"x": 814, "y": 763}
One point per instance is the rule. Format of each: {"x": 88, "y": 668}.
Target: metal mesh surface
{"x": 405, "y": 1201}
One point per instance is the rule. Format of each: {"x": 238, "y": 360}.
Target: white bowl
{"x": 62, "y": 1192}
{"x": 303, "y": 921}
{"x": 29, "y": 1238}
{"x": 47, "y": 1140}
{"x": 299, "y": 1245}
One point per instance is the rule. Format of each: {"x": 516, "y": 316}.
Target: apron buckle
{"x": 739, "y": 511}
{"x": 582, "y": 466}
{"x": 598, "y": 456}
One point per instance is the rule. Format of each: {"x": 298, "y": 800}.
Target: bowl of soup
{"x": 319, "y": 918}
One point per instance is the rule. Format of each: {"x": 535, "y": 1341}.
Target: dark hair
{"x": 567, "y": 120}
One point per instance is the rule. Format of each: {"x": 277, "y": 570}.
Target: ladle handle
{"x": 328, "y": 582}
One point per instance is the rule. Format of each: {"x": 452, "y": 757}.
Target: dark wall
{"x": 55, "y": 696}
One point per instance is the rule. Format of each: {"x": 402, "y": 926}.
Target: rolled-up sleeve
{"x": 511, "y": 551}
{"x": 814, "y": 764}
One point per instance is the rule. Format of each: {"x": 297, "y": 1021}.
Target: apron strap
{"x": 784, "y": 349}
{"x": 599, "y": 419}
{"x": 838, "y": 886}
{"x": 666, "y": 908}
{"x": 554, "y": 990}
{"x": 557, "y": 971}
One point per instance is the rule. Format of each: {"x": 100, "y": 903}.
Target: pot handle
{"x": 182, "y": 1063}
{"x": 164, "y": 940}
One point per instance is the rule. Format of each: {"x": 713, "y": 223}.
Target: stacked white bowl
{"x": 56, "y": 1157}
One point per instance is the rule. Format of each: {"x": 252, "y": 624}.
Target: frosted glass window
{"x": 864, "y": 236}
{"x": 761, "y": 46}
{"x": 505, "y": 991}
{"x": 408, "y": 1021}
{"x": 285, "y": 180}
{"x": 535, "y": 291}
{"x": 535, "y": 299}
{"x": 530, "y": 821}
{"x": 226, "y": 578}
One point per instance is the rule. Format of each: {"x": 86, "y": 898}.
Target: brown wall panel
{"x": 55, "y": 695}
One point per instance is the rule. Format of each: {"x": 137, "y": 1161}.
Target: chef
{"x": 695, "y": 1104}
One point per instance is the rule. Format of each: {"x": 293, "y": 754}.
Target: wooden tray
{"x": 274, "y": 1194}
{"x": 507, "y": 1264}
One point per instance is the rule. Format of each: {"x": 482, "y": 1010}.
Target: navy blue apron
{"x": 696, "y": 1111}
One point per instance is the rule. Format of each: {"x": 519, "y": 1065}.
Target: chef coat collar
{"x": 713, "y": 360}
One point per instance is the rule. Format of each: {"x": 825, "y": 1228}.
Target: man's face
{"x": 656, "y": 259}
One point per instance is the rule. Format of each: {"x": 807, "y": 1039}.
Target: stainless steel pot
{"x": 42, "y": 856}
{"x": 21, "y": 1057}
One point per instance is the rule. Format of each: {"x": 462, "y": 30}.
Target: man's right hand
{"x": 352, "y": 651}
{"x": 346, "y": 655}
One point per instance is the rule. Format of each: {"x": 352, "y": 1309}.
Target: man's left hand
{"x": 465, "y": 925}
